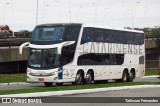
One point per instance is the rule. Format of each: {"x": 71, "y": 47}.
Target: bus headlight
{"x": 54, "y": 73}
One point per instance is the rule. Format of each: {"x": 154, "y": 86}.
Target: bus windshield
{"x": 52, "y": 34}
{"x": 48, "y": 33}
{"x": 43, "y": 58}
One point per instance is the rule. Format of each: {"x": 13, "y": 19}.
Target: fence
{"x": 16, "y": 34}
{"x": 152, "y": 64}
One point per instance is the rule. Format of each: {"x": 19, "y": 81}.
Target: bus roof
{"x": 90, "y": 25}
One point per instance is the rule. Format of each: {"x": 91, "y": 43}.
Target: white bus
{"x": 81, "y": 53}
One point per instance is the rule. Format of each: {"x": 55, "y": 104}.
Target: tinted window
{"x": 99, "y": 35}
{"x": 67, "y": 54}
{"x": 121, "y": 37}
{"x": 71, "y": 33}
{"x": 101, "y": 59}
{"x": 87, "y": 35}
{"x": 47, "y": 33}
{"x": 107, "y": 36}
{"x": 141, "y": 60}
{"x": 111, "y": 36}
{"x": 141, "y": 39}
{"x": 52, "y": 34}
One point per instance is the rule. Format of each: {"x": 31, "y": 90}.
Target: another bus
{"x": 81, "y": 53}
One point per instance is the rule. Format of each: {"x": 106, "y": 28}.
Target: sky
{"x": 21, "y": 14}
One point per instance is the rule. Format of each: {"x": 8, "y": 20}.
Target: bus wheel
{"x": 131, "y": 76}
{"x": 59, "y": 84}
{"x": 78, "y": 79}
{"x": 48, "y": 83}
{"x": 89, "y": 77}
{"x": 125, "y": 76}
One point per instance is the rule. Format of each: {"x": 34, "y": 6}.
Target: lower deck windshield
{"x": 43, "y": 58}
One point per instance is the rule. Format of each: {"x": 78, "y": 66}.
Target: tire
{"x": 124, "y": 78}
{"x": 78, "y": 79}
{"x": 59, "y": 84}
{"x": 48, "y": 84}
{"x": 131, "y": 76}
{"x": 89, "y": 77}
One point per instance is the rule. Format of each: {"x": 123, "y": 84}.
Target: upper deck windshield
{"x": 51, "y": 34}
{"x": 44, "y": 33}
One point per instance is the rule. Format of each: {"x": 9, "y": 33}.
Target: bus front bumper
{"x": 53, "y": 78}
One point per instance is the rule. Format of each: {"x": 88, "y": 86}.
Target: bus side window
{"x": 141, "y": 39}
{"x": 112, "y": 36}
{"x": 98, "y": 35}
{"x": 106, "y": 36}
{"x": 121, "y": 37}
{"x": 87, "y": 35}
{"x": 72, "y": 33}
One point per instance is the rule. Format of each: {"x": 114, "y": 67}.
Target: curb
{"x": 14, "y": 83}
{"x": 82, "y": 91}
{"x": 153, "y": 76}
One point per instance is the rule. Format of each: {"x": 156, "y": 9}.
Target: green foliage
{"x": 151, "y": 72}
{"x": 156, "y": 31}
{"x": 6, "y": 78}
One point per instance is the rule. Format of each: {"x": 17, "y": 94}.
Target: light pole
{"x": 44, "y": 13}
{"x": 79, "y": 12}
{"x": 105, "y": 11}
{"x": 95, "y": 14}
{"x": 37, "y": 13}
{"x": 69, "y": 10}
{"x": 5, "y": 12}
{"x": 133, "y": 14}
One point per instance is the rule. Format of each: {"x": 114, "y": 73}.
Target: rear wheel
{"x": 89, "y": 77}
{"x": 48, "y": 83}
{"x": 131, "y": 76}
{"x": 78, "y": 79}
{"x": 124, "y": 78}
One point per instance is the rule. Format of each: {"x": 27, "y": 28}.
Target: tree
{"x": 156, "y": 32}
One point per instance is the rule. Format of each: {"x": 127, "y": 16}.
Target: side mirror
{"x": 21, "y": 47}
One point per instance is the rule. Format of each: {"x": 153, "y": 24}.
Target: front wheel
{"x": 48, "y": 84}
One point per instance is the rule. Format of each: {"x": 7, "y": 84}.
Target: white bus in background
{"x": 81, "y": 53}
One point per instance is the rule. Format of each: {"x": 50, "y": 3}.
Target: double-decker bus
{"x": 81, "y": 53}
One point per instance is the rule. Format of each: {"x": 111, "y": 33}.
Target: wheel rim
{"x": 88, "y": 78}
{"x": 124, "y": 77}
{"x": 131, "y": 76}
{"x": 78, "y": 78}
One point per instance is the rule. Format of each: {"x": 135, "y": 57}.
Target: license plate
{"x": 40, "y": 79}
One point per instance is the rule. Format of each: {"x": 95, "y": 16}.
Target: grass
{"x": 70, "y": 87}
{"x": 6, "y": 78}
{"x": 151, "y": 72}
